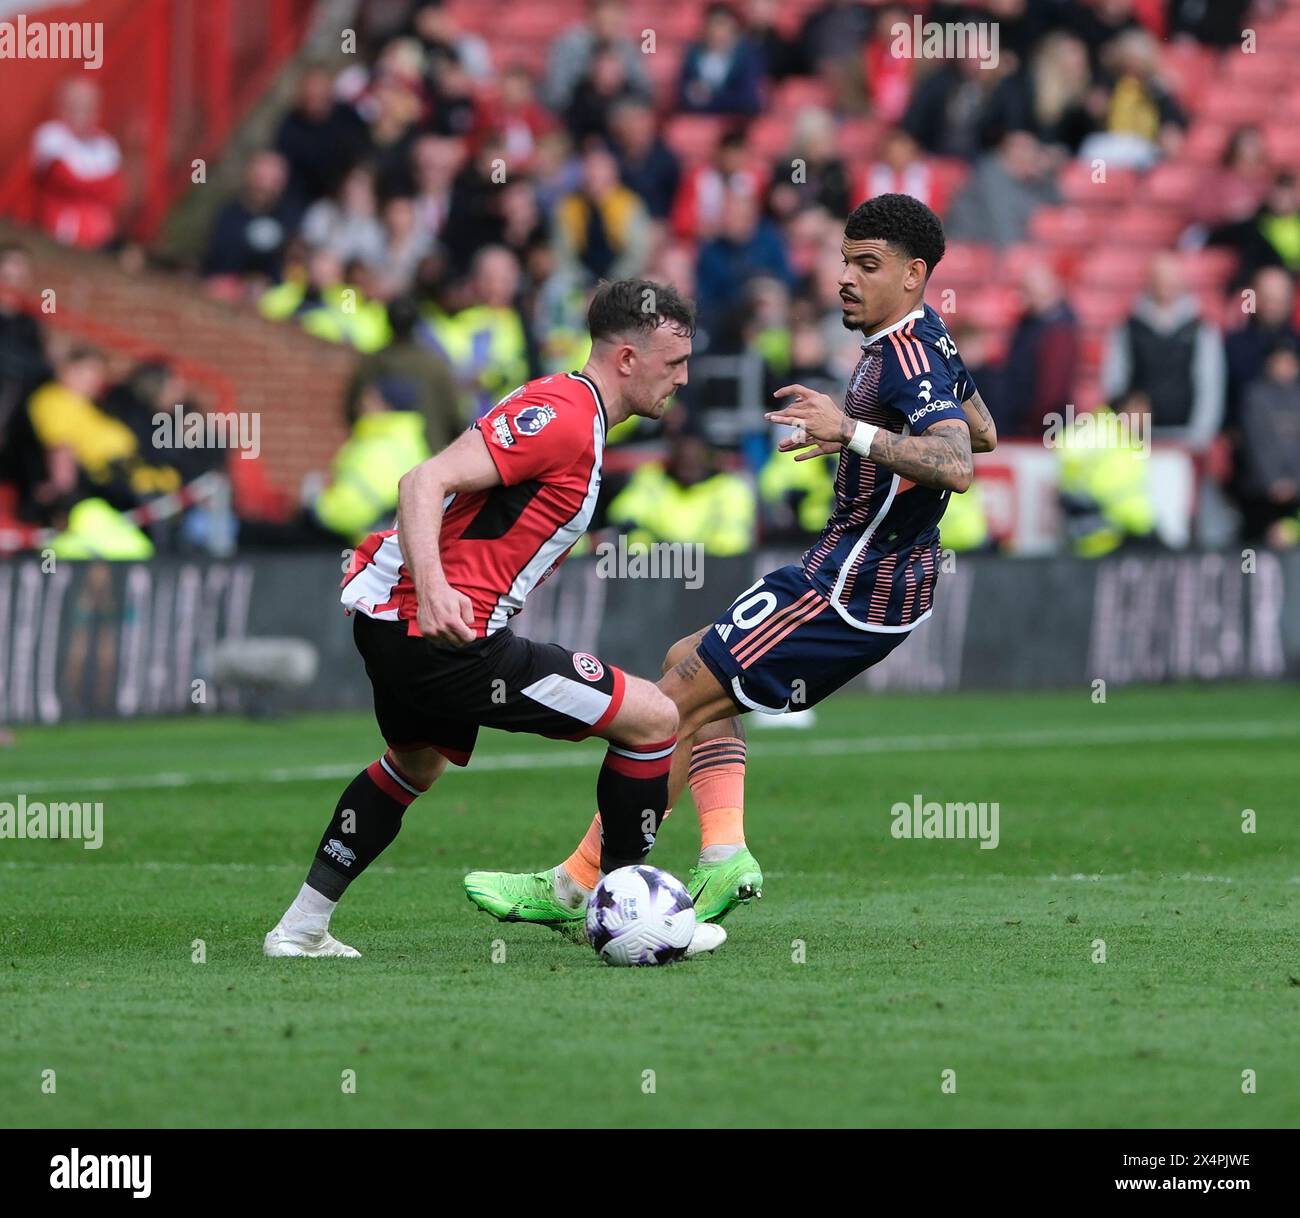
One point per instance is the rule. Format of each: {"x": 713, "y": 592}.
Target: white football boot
{"x": 708, "y": 937}
{"x": 281, "y": 942}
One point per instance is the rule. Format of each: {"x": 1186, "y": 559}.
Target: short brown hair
{"x": 640, "y": 306}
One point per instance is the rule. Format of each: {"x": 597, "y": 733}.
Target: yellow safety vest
{"x": 782, "y": 474}
{"x": 717, "y": 512}
{"x": 96, "y": 530}
{"x": 1099, "y": 463}
{"x": 366, "y": 470}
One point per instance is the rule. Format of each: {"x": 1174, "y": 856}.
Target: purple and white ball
{"x": 640, "y": 915}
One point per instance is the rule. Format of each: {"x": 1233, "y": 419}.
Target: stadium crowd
{"x": 447, "y": 211}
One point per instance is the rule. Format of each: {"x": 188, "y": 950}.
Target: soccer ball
{"x": 640, "y": 915}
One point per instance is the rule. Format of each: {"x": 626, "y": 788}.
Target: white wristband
{"x": 863, "y": 434}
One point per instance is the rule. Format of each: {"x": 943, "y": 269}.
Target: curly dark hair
{"x": 906, "y": 223}
{"x": 637, "y": 306}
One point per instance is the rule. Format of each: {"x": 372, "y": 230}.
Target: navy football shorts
{"x": 782, "y": 646}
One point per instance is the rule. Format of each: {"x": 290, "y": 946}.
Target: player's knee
{"x": 654, "y": 719}
{"x": 422, "y": 767}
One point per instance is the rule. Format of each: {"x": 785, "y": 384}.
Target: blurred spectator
{"x": 687, "y": 498}
{"x": 778, "y": 53}
{"x": 412, "y": 373}
{"x": 1004, "y": 190}
{"x": 732, "y": 169}
{"x": 1054, "y": 97}
{"x": 1272, "y": 236}
{"x": 605, "y": 85}
{"x": 900, "y": 169}
{"x": 250, "y": 232}
{"x": 949, "y": 113}
{"x": 347, "y": 225}
{"x": 387, "y": 439}
{"x": 486, "y": 341}
{"x": 436, "y": 161}
{"x": 1270, "y": 443}
{"x": 23, "y": 365}
{"x": 1166, "y": 352}
{"x": 1037, "y": 377}
{"x": 444, "y": 40}
{"x": 556, "y": 169}
{"x": 78, "y": 171}
{"x": 1216, "y": 23}
{"x": 1105, "y": 480}
{"x": 406, "y": 244}
{"x": 1233, "y": 192}
{"x": 396, "y": 107}
{"x": 331, "y": 301}
{"x": 834, "y": 31}
{"x": 571, "y": 54}
{"x": 603, "y": 225}
{"x": 1099, "y": 23}
{"x": 1267, "y": 325}
{"x": 452, "y": 93}
{"x": 65, "y": 415}
{"x": 722, "y": 73}
{"x": 747, "y": 245}
{"x": 645, "y": 163}
{"x": 151, "y": 388}
{"x": 522, "y": 224}
{"x": 812, "y": 170}
{"x": 474, "y": 216}
{"x": 1142, "y": 120}
{"x": 888, "y": 76}
{"x": 320, "y": 138}
{"x": 518, "y": 118}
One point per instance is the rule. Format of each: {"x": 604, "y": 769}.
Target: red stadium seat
{"x": 793, "y": 94}
{"x": 1101, "y": 308}
{"x": 693, "y": 137}
{"x": 968, "y": 261}
{"x": 1079, "y": 188}
{"x": 1205, "y": 142}
{"x": 950, "y": 174}
{"x": 1064, "y": 226}
{"x": 1015, "y": 258}
{"x": 1229, "y": 102}
{"x": 997, "y": 306}
{"x": 858, "y": 139}
{"x": 1144, "y": 225}
{"x": 1116, "y": 268}
{"x": 1208, "y": 269}
{"x": 1283, "y": 140}
{"x": 770, "y": 136}
{"x": 1173, "y": 184}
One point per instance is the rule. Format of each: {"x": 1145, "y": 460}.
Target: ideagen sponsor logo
{"x": 931, "y": 408}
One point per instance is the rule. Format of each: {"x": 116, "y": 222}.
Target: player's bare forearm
{"x": 420, "y": 494}
{"x": 983, "y": 431}
{"x": 940, "y": 458}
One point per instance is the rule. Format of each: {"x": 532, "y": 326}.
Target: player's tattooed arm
{"x": 940, "y": 458}
{"x": 445, "y": 614}
{"x": 983, "y": 431}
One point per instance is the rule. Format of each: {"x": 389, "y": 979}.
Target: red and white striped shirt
{"x": 547, "y": 440}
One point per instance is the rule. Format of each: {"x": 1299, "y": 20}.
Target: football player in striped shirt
{"x": 905, "y": 434}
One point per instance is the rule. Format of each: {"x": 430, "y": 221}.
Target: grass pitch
{"x": 1120, "y": 822}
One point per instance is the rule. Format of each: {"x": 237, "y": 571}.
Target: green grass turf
{"x": 1119, "y": 821}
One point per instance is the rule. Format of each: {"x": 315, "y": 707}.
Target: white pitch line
{"x": 1149, "y": 733}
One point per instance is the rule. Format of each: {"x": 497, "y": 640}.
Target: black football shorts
{"x": 431, "y": 695}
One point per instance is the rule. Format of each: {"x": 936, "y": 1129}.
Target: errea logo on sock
{"x": 76, "y": 1170}
{"x": 339, "y": 852}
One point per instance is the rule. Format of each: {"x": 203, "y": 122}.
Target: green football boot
{"x": 521, "y": 896}
{"x": 717, "y": 888}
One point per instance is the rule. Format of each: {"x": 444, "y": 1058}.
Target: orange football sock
{"x": 717, "y": 779}
{"x": 583, "y": 865}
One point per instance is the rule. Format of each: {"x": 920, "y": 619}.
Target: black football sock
{"x": 366, "y": 820}
{"x": 631, "y": 793}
